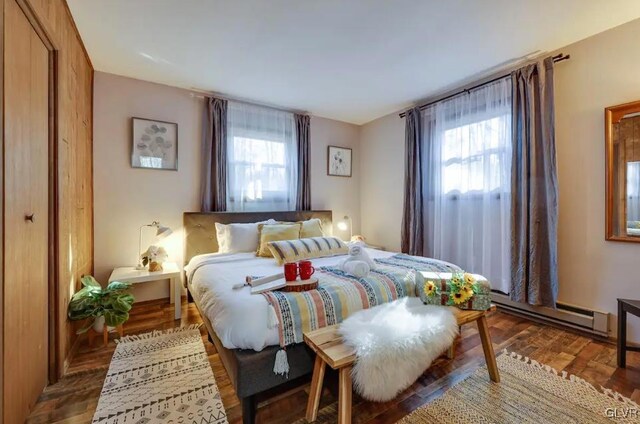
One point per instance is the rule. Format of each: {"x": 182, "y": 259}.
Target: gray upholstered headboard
{"x": 200, "y": 228}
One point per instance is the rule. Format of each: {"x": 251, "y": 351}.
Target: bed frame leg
{"x": 248, "y": 409}
{"x": 189, "y": 297}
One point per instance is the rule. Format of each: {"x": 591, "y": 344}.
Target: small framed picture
{"x": 154, "y": 144}
{"x": 339, "y": 161}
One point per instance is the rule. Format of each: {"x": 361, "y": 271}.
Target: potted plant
{"x": 108, "y": 306}
{"x": 154, "y": 256}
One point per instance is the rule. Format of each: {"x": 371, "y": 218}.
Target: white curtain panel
{"x": 467, "y": 168}
{"x": 262, "y": 158}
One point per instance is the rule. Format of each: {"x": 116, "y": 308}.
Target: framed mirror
{"x": 622, "y": 137}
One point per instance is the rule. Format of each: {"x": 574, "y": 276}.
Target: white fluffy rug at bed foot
{"x": 395, "y": 343}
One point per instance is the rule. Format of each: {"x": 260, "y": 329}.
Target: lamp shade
{"x": 343, "y": 224}
{"x": 163, "y": 232}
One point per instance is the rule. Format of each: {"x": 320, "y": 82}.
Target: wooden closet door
{"x": 26, "y": 191}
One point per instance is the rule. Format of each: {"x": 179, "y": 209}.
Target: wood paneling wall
{"x": 74, "y": 162}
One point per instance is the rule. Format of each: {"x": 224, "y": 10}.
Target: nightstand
{"x": 170, "y": 271}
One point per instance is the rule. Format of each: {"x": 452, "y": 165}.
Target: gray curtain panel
{"x": 214, "y": 153}
{"x": 412, "y": 237}
{"x": 303, "y": 134}
{"x": 534, "y": 185}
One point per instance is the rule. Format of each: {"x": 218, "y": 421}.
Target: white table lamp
{"x": 346, "y": 223}
{"x": 161, "y": 232}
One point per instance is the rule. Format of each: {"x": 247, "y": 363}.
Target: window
{"x": 473, "y": 155}
{"x": 261, "y": 165}
{"x": 467, "y": 181}
{"x": 262, "y": 159}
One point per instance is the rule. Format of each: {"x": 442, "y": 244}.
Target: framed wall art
{"x": 339, "y": 161}
{"x": 154, "y": 144}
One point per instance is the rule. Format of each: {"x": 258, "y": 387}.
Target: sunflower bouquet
{"x": 461, "y": 289}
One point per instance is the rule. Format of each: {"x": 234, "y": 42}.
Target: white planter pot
{"x": 98, "y": 324}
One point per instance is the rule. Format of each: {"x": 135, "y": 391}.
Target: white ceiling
{"x": 351, "y": 60}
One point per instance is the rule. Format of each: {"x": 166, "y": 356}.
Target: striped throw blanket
{"x": 339, "y": 295}
{"x": 419, "y": 263}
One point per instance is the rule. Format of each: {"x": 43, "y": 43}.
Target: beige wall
{"x": 604, "y": 70}
{"x": 382, "y": 162}
{"x": 126, "y": 197}
{"x": 339, "y": 194}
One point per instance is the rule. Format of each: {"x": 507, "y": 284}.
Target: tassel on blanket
{"x": 281, "y": 366}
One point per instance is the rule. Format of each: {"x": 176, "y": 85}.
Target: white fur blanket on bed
{"x": 395, "y": 343}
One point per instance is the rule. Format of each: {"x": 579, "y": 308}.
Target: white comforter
{"x": 240, "y": 319}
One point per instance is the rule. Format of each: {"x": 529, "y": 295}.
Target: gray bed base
{"x": 251, "y": 372}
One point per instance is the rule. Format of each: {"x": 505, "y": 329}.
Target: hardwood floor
{"x": 74, "y": 398}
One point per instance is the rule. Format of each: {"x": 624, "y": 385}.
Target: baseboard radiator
{"x": 577, "y": 317}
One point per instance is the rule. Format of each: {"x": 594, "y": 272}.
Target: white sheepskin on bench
{"x": 395, "y": 343}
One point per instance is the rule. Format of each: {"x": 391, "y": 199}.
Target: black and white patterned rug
{"x": 160, "y": 377}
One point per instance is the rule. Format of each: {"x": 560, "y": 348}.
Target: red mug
{"x": 306, "y": 269}
{"x": 291, "y": 271}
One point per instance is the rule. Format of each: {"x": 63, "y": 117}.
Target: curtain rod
{"x": 557, "y": 58}
{"x": 201, "y": 94}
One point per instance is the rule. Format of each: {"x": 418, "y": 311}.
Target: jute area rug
{"x": 528, "y": 392}
{"x": 160, "y": 377}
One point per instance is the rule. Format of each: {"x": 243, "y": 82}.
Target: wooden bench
{"x": 330, "y": 350}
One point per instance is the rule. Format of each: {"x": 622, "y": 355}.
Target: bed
{"x": 241, "y": 325}
{"x": 250, "y": 371}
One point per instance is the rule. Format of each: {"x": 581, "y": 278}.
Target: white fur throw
{"x": 395, "y": 343}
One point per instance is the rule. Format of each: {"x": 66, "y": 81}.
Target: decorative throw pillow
{"x": 307, "y": 248}
{"x": 311, "y": 228}
{"x": 234, "y": 238}
{"x": 274, "y": 232}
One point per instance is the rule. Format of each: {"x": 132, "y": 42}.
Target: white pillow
{"x": 234, "y": 238}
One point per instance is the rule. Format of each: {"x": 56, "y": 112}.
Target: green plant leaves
{"x": 123, "y": 302}
{"x": 83, "y": 292}
{"x": 117, "y": 285}
{"x": 114, "y": 302}
{"x": 89, "y": 281}
{"x": 81, "y": 309}
{"x": 113, "y": 317}
{"x": 81, "y": 304}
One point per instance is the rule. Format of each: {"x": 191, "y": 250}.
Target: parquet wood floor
{"x": 74, "y": 398}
